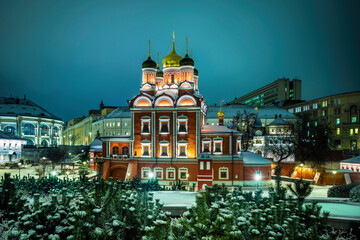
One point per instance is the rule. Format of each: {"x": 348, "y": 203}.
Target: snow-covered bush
{"x": 355, "y": 194}
{"x": 341, "y": 191}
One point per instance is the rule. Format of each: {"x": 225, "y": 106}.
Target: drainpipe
{"x": 232, "y": 159}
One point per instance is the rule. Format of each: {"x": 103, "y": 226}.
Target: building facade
{"x": 79, "y": 131}
{"x": 10, "y": 147}
{"x": 169, "y": 138}
{"x": 340, "y": 111}
{"x": 282, "y": 90}
{"x": 25, "y": 119}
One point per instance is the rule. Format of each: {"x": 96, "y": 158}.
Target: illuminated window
{"x": 338, "y": 131}
{"x": 351, "y": 131}
{"x": 145, "y": 148}
{"x": 315, "y": 123}
{"x": 306, "y": 108}
{"x": 324, "y": 103}
{"x": 291, "y": 110}
{"x": 356, "y": 131}
{"x": 201, "y": 165}
{"x": 10, "y": 129}
{"x": 298, "y": 109}
{"x": 337, "y": 121}
{"x": 172, "y": 78}
{"x": 218, "y": 146}
{"x": 223, "y": 173}
{"x": 353, "y": 119}
{"x": 118, "y": 124}
{"x": 125, "y": 150}
{"x": 170, "y": 173}
{"x": 238, "y": 145}
{"x": 315, "y": 106}
{"x": 164, "y": 149}
{"x": 115, "y": 150}
{"x": 206, "y": 145}
{"x": 208, "y": 165}
{"x": 29, "y": 129}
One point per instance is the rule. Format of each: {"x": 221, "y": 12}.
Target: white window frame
{"x": 218, "y": 140}
{"x": 182, "y": 118}
{"x": 164, "y": 144}
{"x": 222, "y": 170}
{"x": 143, "y": 170}
{"x": 168, "y": 170}
{"x": 161, "y": 120}
{"x": 205, "y": 140}
{"x": 238, "y": 145}
{"x": 159, "y": 169}
{"x": 143, "y": 120}
{"x": 143, "y": 144}
{"x": 208, "y": 165}
{"x": 181, "y": 170}
{"x": 182, "y": 143}
{"x": 202, "y": 165}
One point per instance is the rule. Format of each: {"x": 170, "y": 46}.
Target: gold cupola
{"x": 173, "y": 59}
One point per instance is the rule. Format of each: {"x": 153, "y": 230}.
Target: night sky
{"x": 68, "y": 55}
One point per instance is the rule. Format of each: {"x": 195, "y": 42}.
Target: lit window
{"x": 201, "y": 165}
{"x": 338, "y": 131}
{"x": 206, "y": 145}
{"x": 315, "y": 123}
{"x": 164, "y": 149}
{"x": 145, "y": 149}
{"x": 170, "y": 173}
{"x": 356, "y": 131}
{"x": 125, "y": 124}
{"x": 291, "y": 110}
{"x": 118, "y": 124}
{"x": 115, "y": 150}
{"x": 308, "y": 124}
{"x": 223, "y": 173}
{"x": 238, "y": 145}
{"x": 337, "y": 121}
{"x": 298, "y": 109}
{"x": 324, "y": 103}
{"x": 315, "y": 106}
{"x": 306, "y": 108}
{"x": 208, "y": 165}
{"x": 351, "y": 131}
{"x": 217, "y": 146}
{"x": 353, "y": 119}
{"x": 324, "y": 113}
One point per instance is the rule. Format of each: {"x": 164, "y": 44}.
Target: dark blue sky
{"x": 68, "y": 55}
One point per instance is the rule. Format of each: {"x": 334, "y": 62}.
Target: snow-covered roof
{"x": 23, "y": 107}
{"x": 250, "y": 158}
{"x": 216, "y": 129}
{"x": 266, "y": 112}
{"x": 96, "y": 145}
{"x": 278, "y": 122}
{"x": 172, "y": 92}
{"x": 120, "y": 112}
{"x": 352, "y": 160}
{"x": 4, "y": 135}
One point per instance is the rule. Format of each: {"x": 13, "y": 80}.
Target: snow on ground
{"x": 175, "y": 198}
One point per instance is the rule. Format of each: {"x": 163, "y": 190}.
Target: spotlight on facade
{"x": 334, "y": 172}
{"x": 67, "y": 173}
{"x": 257, "y": 178}
{"x": 53, "y": 173}
{"x": 151, "y": 175}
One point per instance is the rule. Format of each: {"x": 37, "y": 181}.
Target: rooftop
{"x": 217, "y": 129}
{"x": 250, "y": 158}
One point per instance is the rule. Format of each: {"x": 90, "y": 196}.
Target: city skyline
{"x": 76, "y": 54}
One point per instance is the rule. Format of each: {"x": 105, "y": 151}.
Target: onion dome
{"x": 221, "y": 114}
{"x": 149, "y": 63}
{"x": 159, "y": 73}
{"x": 187, "y": 61}
{"x": 172, "y": 60}
{"x": 196, "y": 73}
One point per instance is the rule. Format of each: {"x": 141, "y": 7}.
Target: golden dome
{"x": 171, "y": 60}
{"x": 221, "y": 113}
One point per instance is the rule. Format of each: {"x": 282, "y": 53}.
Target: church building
{"x": 169, "y": 139}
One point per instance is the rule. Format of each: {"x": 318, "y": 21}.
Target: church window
{"x": 172, "y": 78}
{"x": 223, "y": 173}
{"x": 183, "y": 173}
{"x": 164, "y": 126}
{"x": 125, "y": 150}
{"x": 201, "y": 165}
{"x": 145, "y": 172}
{"x": 170, "y": 173}
{"x": 164, "y": 149}
{"x": 145, "y": 149}
{"x": 115, "y": 150}
{"x": 146, "y": 127}
{"x": 218, "y": 145}
{"x": 158, "y": 173}
{"x": 208, "y": 165}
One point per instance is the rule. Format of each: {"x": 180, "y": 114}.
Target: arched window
{"x": 56, "y": 131}
{"x": 10, "y": 129}
{"x": 44, "y": 143}
{"x": 44, "y": 131}
{"x": 30, "y": 142}
{"x": 55, "y": 143}
{"x": 125, "y": 150}
{"x": 115, "y": 150}
{"x": 29, "y": 129}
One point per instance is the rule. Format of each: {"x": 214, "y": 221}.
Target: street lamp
{"x": 19, "y": 164}
{"x": 53, "y": 173}
{"x": 257, "y": 178}
{"x": 151, "y": 175}
{"x": 334, "y": 172}
{"x": 84, "y": 163}
{"x": 301, "y": 167}
{"x": 187, "y": 176}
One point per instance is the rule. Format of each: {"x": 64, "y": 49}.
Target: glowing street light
{"x": 187, "y": 176}
{"x": 151, "y": 175}
{"x": 334, "y": 172}
{"x": 53, "y": 173}
{"x": 257, "y": 178}
{"x": 84, "y": 163}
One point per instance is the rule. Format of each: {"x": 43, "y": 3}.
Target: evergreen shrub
{"x": 341, "y": 191}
